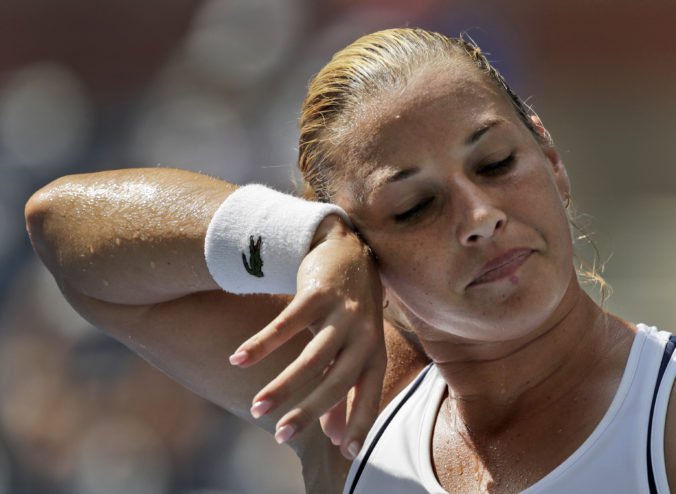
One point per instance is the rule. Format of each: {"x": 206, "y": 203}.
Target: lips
{"x": 501, "y": 266}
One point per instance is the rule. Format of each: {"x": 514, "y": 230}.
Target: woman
{"x": 460, "y": 195}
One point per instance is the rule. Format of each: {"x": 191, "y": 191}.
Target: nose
{"x": 480, "y": 218}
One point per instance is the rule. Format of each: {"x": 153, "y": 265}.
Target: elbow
{"x": 38, "y": 212}
{"x": 35, "y": 212}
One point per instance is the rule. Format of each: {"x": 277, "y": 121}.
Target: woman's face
{"x": 462, "y": 206}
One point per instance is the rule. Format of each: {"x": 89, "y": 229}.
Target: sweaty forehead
{"x": 438, "y": 104}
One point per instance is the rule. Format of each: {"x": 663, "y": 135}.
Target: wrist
{"x": 332, "y": 225}
{"x": 258, "y": 237}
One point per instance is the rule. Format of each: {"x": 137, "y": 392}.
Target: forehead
{"x": 440, "y": 107}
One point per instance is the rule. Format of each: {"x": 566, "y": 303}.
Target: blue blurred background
{"x": 216, "y": 86}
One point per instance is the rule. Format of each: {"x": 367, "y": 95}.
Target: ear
{"x": 560, "y": 174}
{"x": 552, "y": 155}
{"x": 537, "y": 123}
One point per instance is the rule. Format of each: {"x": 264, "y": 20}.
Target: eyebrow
{"x": 401, "y": 175}
{"x": 477, "y": 134}
{"x": 471, "y": 139}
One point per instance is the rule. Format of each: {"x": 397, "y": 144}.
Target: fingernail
{"x": 284, "y": 433}
{"x": 261, "y": 407}
{"x": 238, "y": 357}
{"x": 353, "y": 449}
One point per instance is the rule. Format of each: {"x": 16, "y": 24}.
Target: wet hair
{"x": 366, "y": 69}
{"x": 369, "y": 68}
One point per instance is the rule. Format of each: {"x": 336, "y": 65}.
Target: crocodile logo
{"x": 255, "y": 266}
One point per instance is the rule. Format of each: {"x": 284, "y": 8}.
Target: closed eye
{"x": 497, "y": 168}
{"x": 413, "y": 213}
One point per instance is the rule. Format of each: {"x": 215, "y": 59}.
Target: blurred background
{"x": 216, "y": 86}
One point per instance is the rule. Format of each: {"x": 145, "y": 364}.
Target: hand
{"x": 339, "y": 299}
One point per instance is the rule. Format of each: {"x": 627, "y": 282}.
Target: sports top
{"x": 396, "y": 457}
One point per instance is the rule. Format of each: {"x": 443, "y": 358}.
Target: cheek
{"x": 545, "y": 214}
{"x": 535, "y": 199}
{"x": 398, "y": 267}
{"x": 414, "y": 270}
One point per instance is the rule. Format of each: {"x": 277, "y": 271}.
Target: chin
{"x": 500, "y": 311}
{"x": 501, "y": 318}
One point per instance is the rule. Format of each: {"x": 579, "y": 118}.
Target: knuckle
{"x": 376, "y": 351}
{"x": 314, "y": 363}
{"x": 304, "y": 416}
{"x": 372, "y": 406}
{"x": 366, "y": 408}
{"x": 270, "y": 390}
{"x": 352, "y": 307}
{"x": 337, "y": 386}
{"x": 277, "y": 392}
{"x": 359, "y": 425}
{"x": 353, "y": 303}
{"x": 373, "y": 339}
{"x": 379, "y": 359}
{"x": 254, "y": 346}
{"x": 279, "y": 327}
{"x": 357, "y": 429}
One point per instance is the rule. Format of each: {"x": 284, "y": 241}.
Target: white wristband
{"x": 258, "y": 237}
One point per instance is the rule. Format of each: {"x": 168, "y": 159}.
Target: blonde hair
{"x": 372, "y": 65}
{"x": 589, "y": 272}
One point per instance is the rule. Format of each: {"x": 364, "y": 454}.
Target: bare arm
{"x": 126, "y": 248}
{"x": 127, "y": 236}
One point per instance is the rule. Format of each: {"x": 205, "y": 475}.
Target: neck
{"x": 492, "y": 384}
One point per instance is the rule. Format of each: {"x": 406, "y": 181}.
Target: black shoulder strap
{"x": 380, "y": 432}
{"x": 666, "y": 356}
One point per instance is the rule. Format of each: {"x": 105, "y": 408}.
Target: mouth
{"x": 502, "y": 266}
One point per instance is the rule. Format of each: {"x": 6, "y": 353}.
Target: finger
{"x": 333, "y": 388}
{"x": 333, "y": 422}
{"x": 310, "y": 364}
{"x": 364, "y": 411}
{"x": 296, "y": 317}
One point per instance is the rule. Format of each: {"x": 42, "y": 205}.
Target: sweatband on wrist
{"x": 258, "y": 237}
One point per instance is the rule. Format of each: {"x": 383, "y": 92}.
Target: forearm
{"x": 127, "y": 248}
{"x": 127, "y": 236}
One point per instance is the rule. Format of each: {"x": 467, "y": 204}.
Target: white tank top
{"x": 612, "y": 459}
